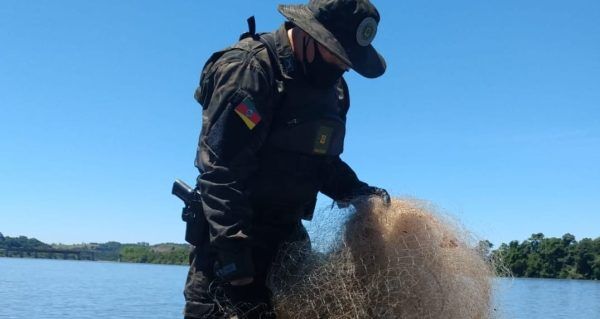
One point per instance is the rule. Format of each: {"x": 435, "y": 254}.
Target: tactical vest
{"x": 307, "y": 120}
{"x": 310, "y": 121}
{"x": 307, "y": 132}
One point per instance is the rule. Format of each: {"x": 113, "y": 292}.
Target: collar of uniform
{"x": 284, "y": 51}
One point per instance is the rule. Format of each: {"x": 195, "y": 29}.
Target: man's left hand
{"x": 379, "y": 192}
{"x": 366, "y": 191}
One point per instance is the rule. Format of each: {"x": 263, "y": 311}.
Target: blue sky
{"x": 489, "y": 109}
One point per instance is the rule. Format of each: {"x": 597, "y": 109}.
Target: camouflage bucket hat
{"x": 344, "y": 27}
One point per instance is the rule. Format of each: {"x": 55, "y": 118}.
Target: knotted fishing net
{"x": 401, "y": 261}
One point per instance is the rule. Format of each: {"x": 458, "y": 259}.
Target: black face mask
{"x": 320, "y": 73}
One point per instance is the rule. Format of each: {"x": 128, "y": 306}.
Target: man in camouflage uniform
{"x": 273, "y": 126}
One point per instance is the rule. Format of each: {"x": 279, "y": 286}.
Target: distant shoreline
{"x": 144, "y": 253}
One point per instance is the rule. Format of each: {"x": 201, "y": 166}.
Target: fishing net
{"x": 401, "y": 261}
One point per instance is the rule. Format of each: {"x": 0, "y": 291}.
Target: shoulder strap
{"x": 269, "y": 42}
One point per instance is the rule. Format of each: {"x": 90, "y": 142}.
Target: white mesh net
{"x": 401, "y": 261}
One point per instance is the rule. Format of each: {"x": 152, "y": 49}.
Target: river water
{"x": 52, "y": 289}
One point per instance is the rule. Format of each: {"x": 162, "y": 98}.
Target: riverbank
{"x": 166, "y": 253}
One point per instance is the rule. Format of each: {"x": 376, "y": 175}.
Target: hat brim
{"x": 364, "y": 60}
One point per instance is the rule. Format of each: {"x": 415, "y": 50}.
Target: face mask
{"x": 319, "y": 72}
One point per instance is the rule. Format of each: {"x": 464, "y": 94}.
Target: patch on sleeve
{"x": 248, "y": 113}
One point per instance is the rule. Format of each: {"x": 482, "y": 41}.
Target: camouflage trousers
{"x": 208, "y": 297}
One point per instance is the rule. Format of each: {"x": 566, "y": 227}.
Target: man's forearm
{"x": 340, "y": 181}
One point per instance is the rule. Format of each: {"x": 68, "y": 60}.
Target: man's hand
{"x": 381, "y": 193}
{"x": 366, "y": 191}
{"x": 374, "y": 191}
{"x": 242, "y": 281}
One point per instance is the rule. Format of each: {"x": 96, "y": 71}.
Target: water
{"x": 52, "y": 289}
{"x": 38, "y": 288}
{"x": 548, "y": 298}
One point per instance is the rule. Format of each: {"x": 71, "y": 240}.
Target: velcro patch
{"x": 248, "y": 113}
{"x": 323, "y": 140}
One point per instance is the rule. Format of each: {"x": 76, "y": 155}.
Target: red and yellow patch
{"x": 248, "y": 113}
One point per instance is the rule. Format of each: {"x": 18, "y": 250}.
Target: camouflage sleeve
{"x": 236, "y": 117}
{"x": 340, "y": 181}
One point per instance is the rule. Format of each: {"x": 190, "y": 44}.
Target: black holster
{"x": 196, "y": 229}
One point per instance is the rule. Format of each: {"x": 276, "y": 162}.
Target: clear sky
{"x": 489, "y": 109}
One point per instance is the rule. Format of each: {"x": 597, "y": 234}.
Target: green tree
{"x": 539, "y": 256}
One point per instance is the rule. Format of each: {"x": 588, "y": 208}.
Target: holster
{"x": 196, "y": 226}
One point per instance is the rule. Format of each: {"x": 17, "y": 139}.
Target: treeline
{"x": 541, "y": 257}
{"x": 168, "y": 253}
{"x": 177, "y": 254}
{"x": 21, "y": 242}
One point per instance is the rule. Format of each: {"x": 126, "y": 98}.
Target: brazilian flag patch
{"x": 248, "y": 113}
{"x": 323, "y": 140}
